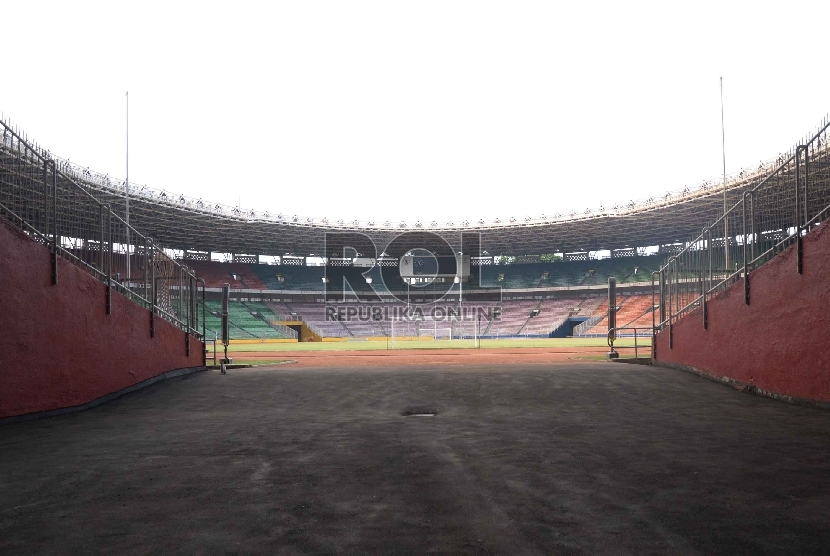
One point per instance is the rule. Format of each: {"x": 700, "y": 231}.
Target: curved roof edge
{"x": 161, "y": 197}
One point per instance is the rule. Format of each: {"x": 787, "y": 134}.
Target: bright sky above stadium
{"x": 416, "y": 110}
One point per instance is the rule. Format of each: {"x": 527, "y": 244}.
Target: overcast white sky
{"x": 415, "y": 110}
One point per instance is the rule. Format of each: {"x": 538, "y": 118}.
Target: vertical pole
{"x": 194, "y": 322}
{"x": 109, "y": 261}
{"x": 678, "y": 287}
{"x": 672, "y": 289}
{"x": 204, "y": 309}
{"x": 653, "y": 319}
{"x": 752, "y": 223}
{"x": 460, "y": 294}
{"x": 612, "y": 308}
{"x": 101, "y": 244}
{"x": 226, "y": 288}
{"x": 127, "y": 188}
{"x": 797, "y": 189}
{"x": 806, "y": 184}
{"x": 723, "y": 149}
{"x": 671, "y": 336}
{"x": 56, "y": 228}
{"x": 653, "y": 324}
{"x": 204, "y": 338}
{"x": 612, "y": 317}
{"x": 189, "y": 302}
{"x": 746, "y": 251}
{"x": 663, "y": 296}
{"x": 47, "y": 226}
{"x": 703, "y": 276}
{"x": 190, "y": 297}
{"x": 711, "y": 251}
{"x": 799, "y": 250}
{"x": 44, "y": 223}
{"x": 146, "y": 268}
{"x": 152, "y": 288}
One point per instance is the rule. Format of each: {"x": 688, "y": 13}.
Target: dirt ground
{"x": 421, "y": 357}
{"x": 570, "y": 458}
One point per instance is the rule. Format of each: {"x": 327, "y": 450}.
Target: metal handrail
{"x": 40, "y": 164}
{"x": 774, "y": 213}
{"x": 612, "y": 336}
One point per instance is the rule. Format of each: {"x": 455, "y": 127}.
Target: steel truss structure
{"x": 183, "y": 223}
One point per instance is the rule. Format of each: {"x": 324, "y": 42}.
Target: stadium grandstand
{"x": 224, "y": 244}
{"x": 541, "y": 296}
{"x": 549, "y": 270}
{"x": 537, "y": 277}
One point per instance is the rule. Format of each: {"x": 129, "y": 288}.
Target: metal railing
{"x": 581, "y": 330}
{"x": 638, "y": 332}
{"x": 55, "y": 210}
{"x": 281, "y": 329}
{"x": 770, "y": 216}
{"x": 293, "y": 317}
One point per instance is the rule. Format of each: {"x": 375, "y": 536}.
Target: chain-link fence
{"x": 37, "y": 195}
{"x": 773, "y": 213}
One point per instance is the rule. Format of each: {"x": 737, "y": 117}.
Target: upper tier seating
{"x": 215, "y": 274}
{"x": 285, "y": 277}
{"x": 512, "y": 276}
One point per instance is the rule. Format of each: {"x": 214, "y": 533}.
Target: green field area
{"x": 364, "y": 345}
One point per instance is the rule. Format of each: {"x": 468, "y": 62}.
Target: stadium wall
{"x": 775, "y": 346}
{"x": 60, "y": 349}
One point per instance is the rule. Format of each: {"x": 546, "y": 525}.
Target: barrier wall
{"x": 778, "y": 344}
{"x": 59, "y": 347}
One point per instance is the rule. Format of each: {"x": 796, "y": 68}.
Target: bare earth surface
{"x": 521, "y": 458}
{"x": 420, "y": 357}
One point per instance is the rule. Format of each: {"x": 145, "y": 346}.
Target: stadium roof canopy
{"x": 179, "y": 222}
{"x": 183, "y": 223}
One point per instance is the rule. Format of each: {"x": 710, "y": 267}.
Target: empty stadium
{"x": 536, "y": 299}
{"x": 532, "y": 442}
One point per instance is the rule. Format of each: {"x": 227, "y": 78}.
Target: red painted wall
{"x": 58, "y": 346}
{"x": 780, "y": 342}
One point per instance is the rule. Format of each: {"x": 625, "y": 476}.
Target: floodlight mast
{"x": 460, "y": 291}
{"x": 127, "y": 187}
{"x": 723, "y": 149}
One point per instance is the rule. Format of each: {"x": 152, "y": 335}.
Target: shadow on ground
{"x": 579, "y": 458}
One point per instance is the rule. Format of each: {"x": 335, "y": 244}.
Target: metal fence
{"x": 773, "y": 213}
{"x": 49, "y": 205}
{"x": 581, "y": 330}
{"x": 279, "y": 317}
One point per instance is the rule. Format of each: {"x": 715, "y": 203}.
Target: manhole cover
{"x": 419, "y": 413}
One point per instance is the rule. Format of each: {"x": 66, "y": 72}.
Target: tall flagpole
{"x": 127, "y": 186}
{"x": 723, "y": 148}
